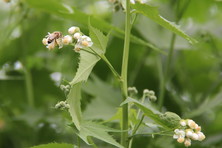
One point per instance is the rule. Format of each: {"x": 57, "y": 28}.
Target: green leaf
{"x": 108, "y": 103}
{"x": 73, "y": 100}
{"x": 153, "y": 13}
{"x": 87, "y": 59}
{"x": 167, "y": 120}
{"x": 72, "y": 13}
{"x": 54, "y": 145}
{"x": 86, "y": 64}
{"x": 99, "y": 39}
{"x": 97, "y": 131}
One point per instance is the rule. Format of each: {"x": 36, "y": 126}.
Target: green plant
{"x": 130, "y": 115}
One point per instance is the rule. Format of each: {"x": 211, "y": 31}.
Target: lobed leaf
{"x": 97, "y": 131}
{"x": 153, "y": 13}
{"x": 73, "y": 100}
{"x": 99, "y": 39}
{"x": 54, "y": 145}
{"x": 86, "y": 64}
{"x": 167, "y": 120}
{"x": 65, "y": 11}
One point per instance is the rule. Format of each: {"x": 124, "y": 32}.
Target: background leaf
{"x": 54, "y": 145}
{"x": 74, "y": 98}
{"x": 152, "y": 13}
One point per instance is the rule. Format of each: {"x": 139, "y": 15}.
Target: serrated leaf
{"x": 99, "y": 39}
{"x": 108, "y": 103}
{"x": 74, "y": 98}
{"x": 86, "y": 64}
{"x": 167, "y": 120}
{"x": 88, "y": 60}
{"x": 54, "y": 145}
{"x": 153, "y": 13}
{"x": 97, "y": 131}
{"x": 72, "y": 13}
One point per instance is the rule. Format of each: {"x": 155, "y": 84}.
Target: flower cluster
{"x": 149, "y": 94}
{"x": 62, "y": 105}
{"x": 189, "y": 131}
{"x": 75, "y": 37}
{"x": 132, "y": 91}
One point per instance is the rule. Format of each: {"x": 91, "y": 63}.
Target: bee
{"x": 53, "y": 36}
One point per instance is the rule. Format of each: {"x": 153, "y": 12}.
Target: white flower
{"x": 67, "y": 40}
{"x": 84, "y": 41}
{"x": 45, "y": 41}
{"x": 179, "y": 134}
{"x": 180, "y": 139}
{"x": 191, "y": 123}
{"x": 189, "y": 133}
{"x": 201, "y": 136}
{"x": 195, "y": 136}
{"x": 77, "y": 35}
{"x": 73, "y": 30}
{"x": 183, "y": 123}
{"x": 132, "y": 1}
{"x": 187, "y": 142}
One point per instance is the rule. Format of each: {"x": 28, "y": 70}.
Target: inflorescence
{"x": 75, "y": 37}
{"x": 188, "y": 131}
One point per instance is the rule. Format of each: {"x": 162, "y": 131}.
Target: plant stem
{"x": 165, "y": 76}
{"x": 124, "y": 135}
{"x": 29, "y": 87}
{"x": 103, "y": 57}
{"x": 92, "y": 143}
{"x": 135, "y": 130}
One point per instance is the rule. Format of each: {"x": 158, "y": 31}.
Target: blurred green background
{"x": 30, "y": 75}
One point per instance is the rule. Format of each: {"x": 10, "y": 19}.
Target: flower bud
{"x": 183, "y": 123}
{"x": 191, "y": 123}
{"x": 153, "y": 98}
{"x": 44, "y": 41}
{"x": 189, "y": 133}
{"x": 180, "y": 139}
{"x": 73, "y": 30}
{"x": 67, "y": 40}
{"x": 195, "y": 136}
{"x": 77, "y": 35}
{"x": 187, "y": 142}
{"x": 201, "y": 136}
{"x": 132, "y": 90}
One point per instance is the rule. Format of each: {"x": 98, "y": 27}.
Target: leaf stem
{"x": 92, "y": 143}
{"x": 135, "y": 130}
{"x": 165, "y": 77}
{"x": 103, "y": 57}
{"x": 124, "y": 134}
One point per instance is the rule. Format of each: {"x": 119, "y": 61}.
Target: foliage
{"x": 188, "y": 76}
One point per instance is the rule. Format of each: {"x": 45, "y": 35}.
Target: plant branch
{"x": 124, "y": 134}
{"x": 165, "y": 76}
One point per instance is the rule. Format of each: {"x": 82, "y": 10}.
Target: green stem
{"x": 29, "y": 87}
{"x": 165, "y": 76}
{"x": 135, "y": 130}
{"x": 92, "y": 143}
{"x": 78, "y": 141}
{"x": 103, "y": 57}
{"x": 124, "y": 135}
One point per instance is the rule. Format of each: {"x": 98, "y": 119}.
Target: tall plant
{"x": 91, "y": 49}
